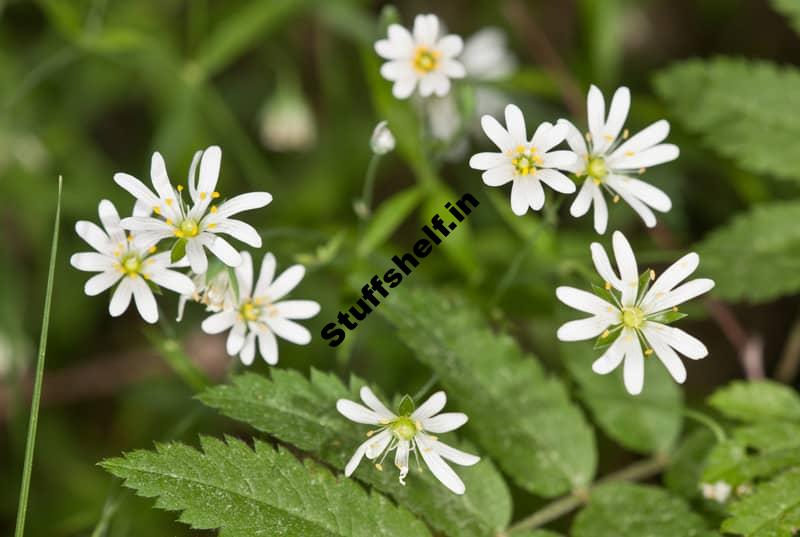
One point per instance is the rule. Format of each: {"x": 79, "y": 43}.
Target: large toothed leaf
{"x": 258, "y": 492}
{"x": 518, "y": 414}
{"x": 645, "y": 423}
{"x": 303, "y": 412}
{"x": 772, "y": 510}
{"x": 739, "y": 107}
{"x": 628, "y": 510}
{"x": 757, "y": 401}
{"x": 769, "y": 268}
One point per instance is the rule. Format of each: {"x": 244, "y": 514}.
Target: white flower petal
{"x": 452, "y": 454}
{"x": 268, "y": 346}
{"x": 603, "y": 266}
{"x": 400, "y": 44}
{"x": 583, "y": 201}
{"x": 100, "y": 282}
{"x": 633, "y": 370}
{"x": 265, "y": 275}
{"x": 575, "y": 141}
{"x": 652, "y": 196}
{"x": 121, "y": 298}
{"x": 555, "y": 180}
{"x": 197, "y": 256}
{"x": 401, "y": 459}
{"x": 450, "y": 45}
{"x": 682, "y": 293}
{"x": 191, "y": 179}
{"x": 146, "y": 223}
{"x": 284, "y": 283}
{"x": 445, "y": 422}
{"x": 610, "y": 359}
{"x": 137, "y": 189}
{"x": 628, "y": 270}
{"x": 289, "y": 330}
{"x": 596, "y": 114}
{"x": 159, "y": 177}
{"x": 665, "y": 353}
{"x": 244, "y": 275}
{"x": 354, "y": 461}
{"x": 372, "y": 401}
{"x": 564, "y": 160}
{"x": 644, "y": 159}
{"x": 497, "y": 134}
{"x": 297, "y": 309}
{"x": 644, "y": 212}
{"x": 222, "y": 250}
{"x": 585, "y": 301}
{"x": 94, "y": 237}
{"x": 243, "y": 202}
{"x": 145, "y": 301}
{"x": 426, "y": 29}
{"x": 235, "y": 341}
{"x": 498, "y": 176}
{"x": 650, "y": 136}
{"x": 397, "y": 70}
{"x": 583, "y": 329}
{"x": 675, "y": 274}
{"x": 600, "y": 211}
{"x": 219, "y": 322}
{"x": 378, "y": 444}
{"x": 209, "y": 174}
{"x": 684, "y": 343}
{"x": 519, "y": 197}
{"x": 440, "y": 469}
{"x": 453, "y": 69}
{"x": 109, "y": 217}
{"x": 174, "y": 281}
{"x": 248, "y": 353}
{"x": 404, "y": 87}
{"x": 515, "y": 123}
{"x": 487, "y": 160}
{"x": 433, "y": 405}
{"x": 617, "y": 114}
{"x": 92, "y": 262}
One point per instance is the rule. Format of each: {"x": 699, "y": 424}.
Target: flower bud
{"x": 382, "y": 140}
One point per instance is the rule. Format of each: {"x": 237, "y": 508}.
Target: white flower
{"x": 486, "y": 55}
{"x": 719, "y": 491}
{"x": 259, "y": 313}
{"x": 287, "y": 122}
{"x": 216, "y": 293}
{"x": 198, "y": 224}
{"x": 129, "y": 260}
{"x": 608, "y": 162}
{"x": 408, "y": 431}
{"x": 382, "y": 140}
{"x": 423, "y": 57}
{"x": 639, "y": 316}
{"x": 527, "y": 163}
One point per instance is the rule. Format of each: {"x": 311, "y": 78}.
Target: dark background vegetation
{"x": 91, "y": 87}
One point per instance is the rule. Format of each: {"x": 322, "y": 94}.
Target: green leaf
{"x": 387, "y": 218}
{"x": 521, "y": 416}
{"x": 723, "y": 101}
{"x": 683, "y": 475}
{"x": 771, "y": 267}
{"x": 755, "y": 452}
{"x": 535, "y": 533}
{"x": 645, "y": 423}
{"x": 791, "y": 10}
{"x": 178, "y": 251}
{"x": 628, "y": 510}
{"x": 303, "y": 412}
{"x": 756, "y": 401}
{"x": 260, "y": 491}
{"x": 773, "y": 510}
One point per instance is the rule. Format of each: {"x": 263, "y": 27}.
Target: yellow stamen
{"x": 605, "y": 334}
{"x": 608, "y": 286}
{"x": 213, "y": 209}
{"x": 203, "y": 195}
{"x": 625, "y": 134}
{"x": 169, "y": 201}
{"x": 180, "y": 188}
{"x": 616, "y": 199}
{"x": 152, "y": 249}
{"x": 157, "y": 210}
{"x": 215, "y": 195}
{"x": 652, "y": 274}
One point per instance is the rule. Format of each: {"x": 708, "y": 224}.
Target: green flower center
{"x": 189, "y": 228}
{"x": 632, "y": 317}
{"x": 596, "y": 169}
{"x": 404, "y": 428}
{"x": 249, "y": 311}
{"x": 525, "y": 161}
{"x": 131, "y": 264}
{"x": 425, "y": 60}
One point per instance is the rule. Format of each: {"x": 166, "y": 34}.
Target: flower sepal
{"x": 178, "y": 251}
{"x": 667, "y": 317}
{"x": 406, "y": 406}
{"x": 607, "y": 338}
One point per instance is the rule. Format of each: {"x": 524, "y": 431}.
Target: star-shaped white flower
{"x": 528, "y": 163}
{"x": 259, "y": 313}
{"x": 129, "y": 260}
{"x": 422, "y": 57}
{"x": 638, "y": 317}
{"x": 408, "y": 431}
{"x": 610, "y": 160}
{"x": 198, "y": 221}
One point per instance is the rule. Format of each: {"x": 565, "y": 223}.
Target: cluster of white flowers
{"x": 127, "y": 256}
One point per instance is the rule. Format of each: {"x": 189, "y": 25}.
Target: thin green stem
{"x": 170, "y": 349}
{"x": 422, "y": 392}
{"x": 37, "y": 386}
{"x": 363, "y": 206}
{"x": 709, "y": 422}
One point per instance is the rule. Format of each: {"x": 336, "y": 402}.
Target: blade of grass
{"x": 37, "y": 386}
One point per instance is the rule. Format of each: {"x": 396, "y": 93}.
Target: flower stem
{"x": 363, "y": 206}
{"x": 712, "y": 425}
{"x": 637, "y": 471}
{"x": 422, "y": 392}
{"x": 37, "y": 386}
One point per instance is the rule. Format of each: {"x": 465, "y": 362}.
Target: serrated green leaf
{"x": 260, "y": 491}
{"x": 388, "y": 217}
{"x": 178, "y": 251}
{"x": 757, "y": 400}
{"x": 791, "y": 10}
{"x": 519, "y": 415}
{"x": 303, "y": 412}
{"x": 771, "y": 267}
{"x": 773, "y": 510}
{"x": 628, "y": 510}
{"x": 645, "y": 423}
{"x": 723, "y": 101}
{"x": 683, "y": 475}
{"x": 754, "y": 452}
